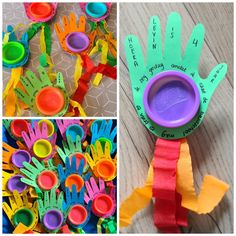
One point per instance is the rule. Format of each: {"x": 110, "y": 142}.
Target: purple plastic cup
{"x": 53, "y": 219}
{"x": 77, "y": 42}
{"x": 14, "y": 183}
{"x": 171, "y": 99}
{"x": 19, "y": 157}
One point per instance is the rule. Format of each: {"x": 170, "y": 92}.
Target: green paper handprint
{"x": 140, "y": 74}
{"x": 44, "y": 97}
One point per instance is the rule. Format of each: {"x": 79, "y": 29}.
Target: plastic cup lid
{"x": 103, "y": 141}
{"x": 53, "y": 219}
{"x": 76, "y": 180}
{"x": 77, "y": 42}
{"x": 50, "y": 101}
{"x": 96, "y": 9}
{"x": 47, "y": 180}
{"x": 78, "y": 156}
{"x": 73, "y": 131}
{"x": 171, "y": 99}
{"x": 13, "y": 52}
{"x": 77, "y": 215}
{"x": 102, "y": 204}
{"x": 24, "y": 216}
{"x": 50, "y": 126}
{"x": 19, "y": 157}
{"x": 14, "y": 183}
{"x": 18, "y": 126}
{"x": 40, "y": 10}
{"x": 42, "y": 148}
{"x": 106, "y": 168}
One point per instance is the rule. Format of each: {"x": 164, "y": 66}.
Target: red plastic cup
{"x": 78, "y": 157}
{"x": 40, "y": 10}
{"x": 102, "y": 205}
{"x": 47, "y": 180}
{"x": 50, "y": 101}
{"x": 77, "y": 215}
{"x": 18, "y": 126}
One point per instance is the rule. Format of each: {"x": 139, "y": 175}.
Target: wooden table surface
{"x": 211, "y": 144}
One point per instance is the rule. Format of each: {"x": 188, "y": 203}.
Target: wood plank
{"x": 211, "y": 144}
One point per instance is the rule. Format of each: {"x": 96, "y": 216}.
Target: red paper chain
{"x": 168, "y": 213}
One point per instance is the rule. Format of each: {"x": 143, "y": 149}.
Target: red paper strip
{"x": 83, "y": 84}
{"x": 168, "y": 213}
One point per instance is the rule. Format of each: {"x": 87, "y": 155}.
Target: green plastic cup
{"x": 103, "y": 142}
{"x": 23, "y": 216}
{"x": 13, "y": 52}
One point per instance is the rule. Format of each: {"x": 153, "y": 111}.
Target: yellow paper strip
{"x": 9, "y": 95}
{"x": 137, "y": 201}
{"x": 78, "y": 70}
{"x": 212, "y": 189}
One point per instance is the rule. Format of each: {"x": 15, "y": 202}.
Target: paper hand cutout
{"x": 101, "y": 163}
{"x": 63, "y": 125}
{"x": 94, "y": 191}
{"x": 75, "y": 200}
{"x": 32, "y": 174}
{"x": 69, "y": 26}
{"x": 72, "y": 149}
{"x": 49, "y": 203}
{"x": 43, "y": 97}
{"x": 36, "y": 135}
{"x": 102, "y": 131}
{"x": 20, "y": 205}
{"x": 141, "y": 73}
{"x": 10, "y": 36}
{"x": 72, "y": 174}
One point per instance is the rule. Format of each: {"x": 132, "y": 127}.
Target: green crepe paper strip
{"x": 43, "y": 59}
{"x": 171, "y": 60}
{"x": 33, "y": 85}
{"x": 109, "y": 224}
{"x": 71, "y": 148}
{"x": 32, "y": 31}
{"x": 32, "y": 173}
{"x": 50, "y": 202}
{"x": 76, "y": 230}
{"x": 48, "y": 38}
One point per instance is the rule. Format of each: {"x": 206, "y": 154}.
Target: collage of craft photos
{"x": 117, "y": 117}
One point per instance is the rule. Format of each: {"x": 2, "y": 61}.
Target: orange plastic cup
{"x": 102, "y": 205}
{"x": 76, "y": 180}
{"x": 18, "y": 126}
{"x": 40, "y": 10}
{"x": 47, "y": 180}
{"x": 77, "y": 215}
{"x": 106, "y": 169}
{"x": 50, "y": 101}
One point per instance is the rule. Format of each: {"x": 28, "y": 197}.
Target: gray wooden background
{"x": 211, "y": 144}
{"x": 100, "y": 100}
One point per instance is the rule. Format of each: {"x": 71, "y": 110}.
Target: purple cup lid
{"x": 19, "y": 157}
{"x": 171, "y": 99}
{"x": 77, "y": 41}
{"x": 53, "y": 219}
{"x": 14, "y": 183}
